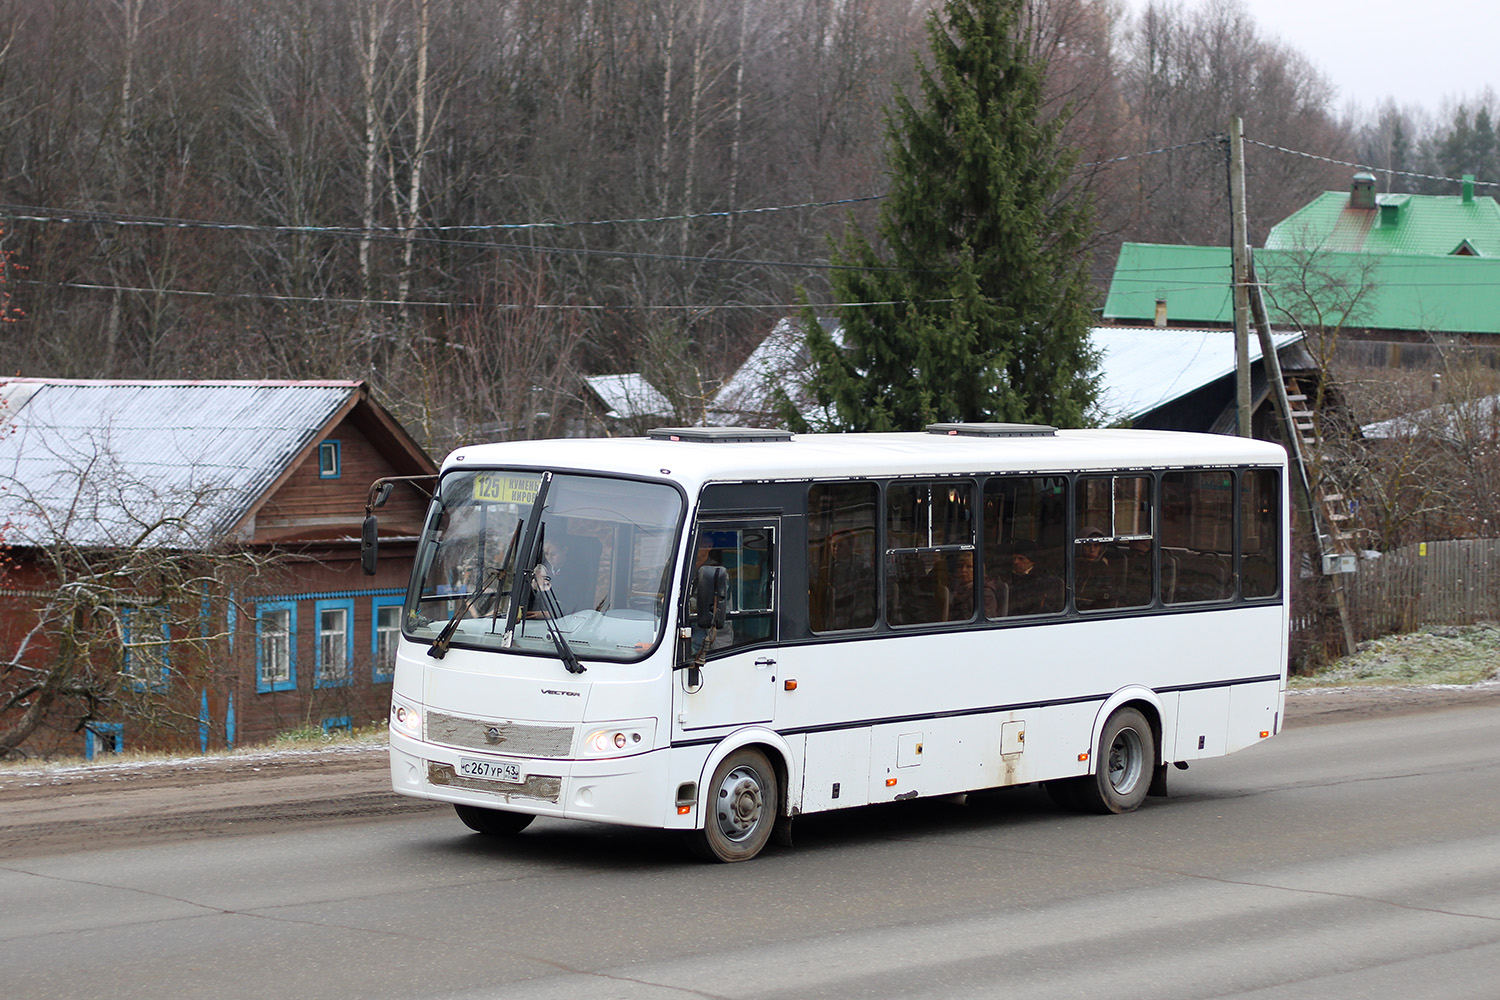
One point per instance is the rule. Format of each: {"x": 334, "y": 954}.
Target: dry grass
{"x": 1432, "y": 655}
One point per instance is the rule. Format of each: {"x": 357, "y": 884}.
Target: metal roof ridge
{"x": 216, "y": 383}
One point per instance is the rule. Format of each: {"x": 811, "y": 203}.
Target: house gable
{"x": 309, "y": 505}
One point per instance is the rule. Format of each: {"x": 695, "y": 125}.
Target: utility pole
{"x": 1239, "y": 243}
{"x": 1308, "y": 495}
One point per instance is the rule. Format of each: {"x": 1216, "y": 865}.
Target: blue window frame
{"x": 333, "y": 621}
{"x": 103, "y": 737}
{"x": 385, "y": 633}
{"x": 330, "y": 461}
{"x": 276, "y": 646}
{"x": 148, "y": 637}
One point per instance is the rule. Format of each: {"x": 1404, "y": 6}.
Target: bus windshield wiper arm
{"x": 550, "y": 615}
{"x": 439, "y": 647}
{"x": 495, "y": 578}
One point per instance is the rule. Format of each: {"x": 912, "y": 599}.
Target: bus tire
{"x": 1124, "y": 765}
{"x": 742, "y": 808}
{"x": 492, "y": 822}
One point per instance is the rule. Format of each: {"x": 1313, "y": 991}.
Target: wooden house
{"x": 218, "y": 525}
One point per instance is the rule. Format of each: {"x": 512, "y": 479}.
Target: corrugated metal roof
{"x": 1433, "y": 225}
{"x": 1419, "y": 292}
{"x": 106, "y": 462}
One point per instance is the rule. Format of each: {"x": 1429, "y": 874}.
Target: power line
{"x": 576, "y": 307}
{"x": 1364, "y": 166}
{"x": 1150, "y": 152}
{"x": 31, "y": 213}
{"x": 34, "y": 213}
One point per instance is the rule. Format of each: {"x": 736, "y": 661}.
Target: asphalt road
{"x": 1352, "y": 859}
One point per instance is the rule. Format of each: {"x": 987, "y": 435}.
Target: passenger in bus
{"x": 1094, "y": 580}
{"x": 556, "y": 575}
{"x": 1032, "y": 590}
{"x": 961, "y": 588}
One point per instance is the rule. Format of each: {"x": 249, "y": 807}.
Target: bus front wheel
{"x": 741, "y": 810}
{"x": 494, "y": 822}
{"x": 1124, "y": 765}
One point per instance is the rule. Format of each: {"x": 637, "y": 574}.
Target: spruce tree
{"x": 978, "y": 300}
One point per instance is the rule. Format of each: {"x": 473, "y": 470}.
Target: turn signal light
{"x": 684, "y": 810}
{"x": 1083, "y": 757}
{"x": 1264, "y": 733}
{"x": 790, "y": 685}
{"x": 890, "y": 782}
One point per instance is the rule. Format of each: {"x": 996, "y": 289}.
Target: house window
{"x": 147, "y": 637}
{"x": 103, "y": 737}
{"x": 386, "y": 623}
{"x": 276, "y": 646}
{"x": 328, "y": 460}
{"x": 335, "y": 643}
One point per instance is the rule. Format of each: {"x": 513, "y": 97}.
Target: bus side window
{"x": 842, "y": 566}
{"x": 1260, "y": 533}
{"x": 1197, "y": 533}
{"x": 1025, "y": 528}
{"x": 930, "y": 552}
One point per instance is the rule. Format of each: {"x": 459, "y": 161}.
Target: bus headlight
{"x": 406, "y": 720}
{"x": 619, "y": 740}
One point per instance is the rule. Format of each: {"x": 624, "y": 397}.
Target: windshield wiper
{"x": 550, "y": 615}
{"x": 550, "y": 611}
{"x": 495, "y": 577}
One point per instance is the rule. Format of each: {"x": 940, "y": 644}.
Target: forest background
{"x": 472, "y": 203}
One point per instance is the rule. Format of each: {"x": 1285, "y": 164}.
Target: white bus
{"x": 716, "y": 630}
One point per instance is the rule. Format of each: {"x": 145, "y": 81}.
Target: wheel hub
{"x": 740, "y": 803}
{"x": 1125, "y": 761}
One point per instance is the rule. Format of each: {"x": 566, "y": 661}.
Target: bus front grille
{"x": 517, "y": 738}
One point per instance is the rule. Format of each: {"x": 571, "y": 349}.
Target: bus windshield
{"x": 597, "y": 564}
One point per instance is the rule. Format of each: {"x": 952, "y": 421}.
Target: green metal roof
{"x": 1428, "y": 293}
{"x": 1397, "y": 224}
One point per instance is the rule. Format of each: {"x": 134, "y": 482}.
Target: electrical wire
{"x": 1364, "y": 166}
{"x": 417, "y": 304}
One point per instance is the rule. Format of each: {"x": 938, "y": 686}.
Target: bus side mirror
{"x": 369, "y": 544}
{"x": 713, "y": 596}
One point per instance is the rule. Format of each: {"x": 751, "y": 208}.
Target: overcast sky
{"x": 1418, "y": 53}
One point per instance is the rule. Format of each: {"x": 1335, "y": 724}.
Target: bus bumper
{"x": 635, "y": 791}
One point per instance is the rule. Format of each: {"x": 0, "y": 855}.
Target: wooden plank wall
{"x": 1436, "y": 583}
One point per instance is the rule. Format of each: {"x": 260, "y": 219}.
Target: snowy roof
{"x": 1140, "y": 369}
{"x": 168, "y": 464}
{"x": 780, "y": 362}
{"x": 1459, "y": 423}
{"x": 628, "y": 396}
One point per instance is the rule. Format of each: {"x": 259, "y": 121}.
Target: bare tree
{"x": 135, "y": 626}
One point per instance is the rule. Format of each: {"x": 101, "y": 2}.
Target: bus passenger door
{"x": 737, "y": 683}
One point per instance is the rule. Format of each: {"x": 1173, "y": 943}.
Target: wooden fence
{"x": 1434, "y": 583}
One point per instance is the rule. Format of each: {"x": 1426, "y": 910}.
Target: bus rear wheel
{"x": 492, "y": 822}
{"x": 1125, "y": 761}
{"x": 741, "y": 811}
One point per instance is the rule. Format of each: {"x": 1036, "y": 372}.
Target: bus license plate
{"x": 491, "y": 770}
